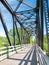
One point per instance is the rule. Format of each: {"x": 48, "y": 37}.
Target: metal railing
{"x": 6, "y": 52}
{"x": 40, "y": 56}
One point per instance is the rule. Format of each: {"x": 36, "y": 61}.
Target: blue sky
{"x": 8, "y": 17}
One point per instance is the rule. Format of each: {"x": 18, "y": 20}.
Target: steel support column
{"x": 5, "y": 28}
{"x": 38, "y": 22}
{"x": 17, "y": 32}
{"x": 14, "y": 31}
{"x": 46, "y": 15}
{"x": 41, "y": 25}
{"x": 21, "y": 34}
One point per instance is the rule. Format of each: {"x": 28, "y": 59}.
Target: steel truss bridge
{"x": 31, "y": 21}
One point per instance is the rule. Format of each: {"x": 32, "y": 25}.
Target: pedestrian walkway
{"x": 27, "y": 56}
{"x": 30, "y": 55}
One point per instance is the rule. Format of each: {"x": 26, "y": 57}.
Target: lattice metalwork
{"x": 31, "y": 21}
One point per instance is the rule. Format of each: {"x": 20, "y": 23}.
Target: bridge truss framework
{"x": 36, "y": 26}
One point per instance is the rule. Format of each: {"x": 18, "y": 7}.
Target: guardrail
{"x": 40, "y": 56}
{"x": 6, "y": 52}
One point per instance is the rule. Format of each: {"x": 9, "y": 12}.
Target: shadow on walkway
{"x": 34, "y": 59}
{"x": 31, "y": 53}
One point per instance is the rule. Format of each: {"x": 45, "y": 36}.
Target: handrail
{"x": 6, "y": 52}
{"x": 41, "y": 59}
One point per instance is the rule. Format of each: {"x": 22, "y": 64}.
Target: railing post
{"x": 7, "y": 52}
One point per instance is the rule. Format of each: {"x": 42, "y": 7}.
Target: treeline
{"x": 24, "y": 38}
{"x": 3, "y": 40}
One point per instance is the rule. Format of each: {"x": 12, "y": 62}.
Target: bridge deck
{"x": 27, "y": 56}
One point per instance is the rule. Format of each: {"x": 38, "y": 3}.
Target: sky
{"x": 8, "y": 17}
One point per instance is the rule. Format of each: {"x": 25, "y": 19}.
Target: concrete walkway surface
{"x": 27, "y": 56}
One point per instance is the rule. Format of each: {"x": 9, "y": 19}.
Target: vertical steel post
{"x": 21, "y": 34}
{"x": 41, "y": 13}
{"x": 17, "y": 32}
{"x": 14, "y": 31}
{"x": 38, "y": 22}
{"x": 46, "y": 14}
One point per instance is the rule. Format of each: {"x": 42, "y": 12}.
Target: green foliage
{"x": 31, "y": 41}
{"x": 11, "y": 32}
{"x": 24, "y": 38}
{"x": 46, "y": 46}
{"x": 45, "y": 43}
{"x": 11, "y": 36}
{"x": 2, "y": 41}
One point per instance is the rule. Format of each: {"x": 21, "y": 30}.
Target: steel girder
{"x": 32, "y": 12}
{"x": 5, "y": 3}
{"x": 14, "y": 14}
{"x": 38, "y": 23}
{"x": 46, "y": 13}
{"x": 29, "y": 5}
{"x": 17, "y": 30}
{"x": 42, "y": 24}
{"x": 5, "y": 28}
{"x": 14, "y": 30}
{"x": 25, "y": 12}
